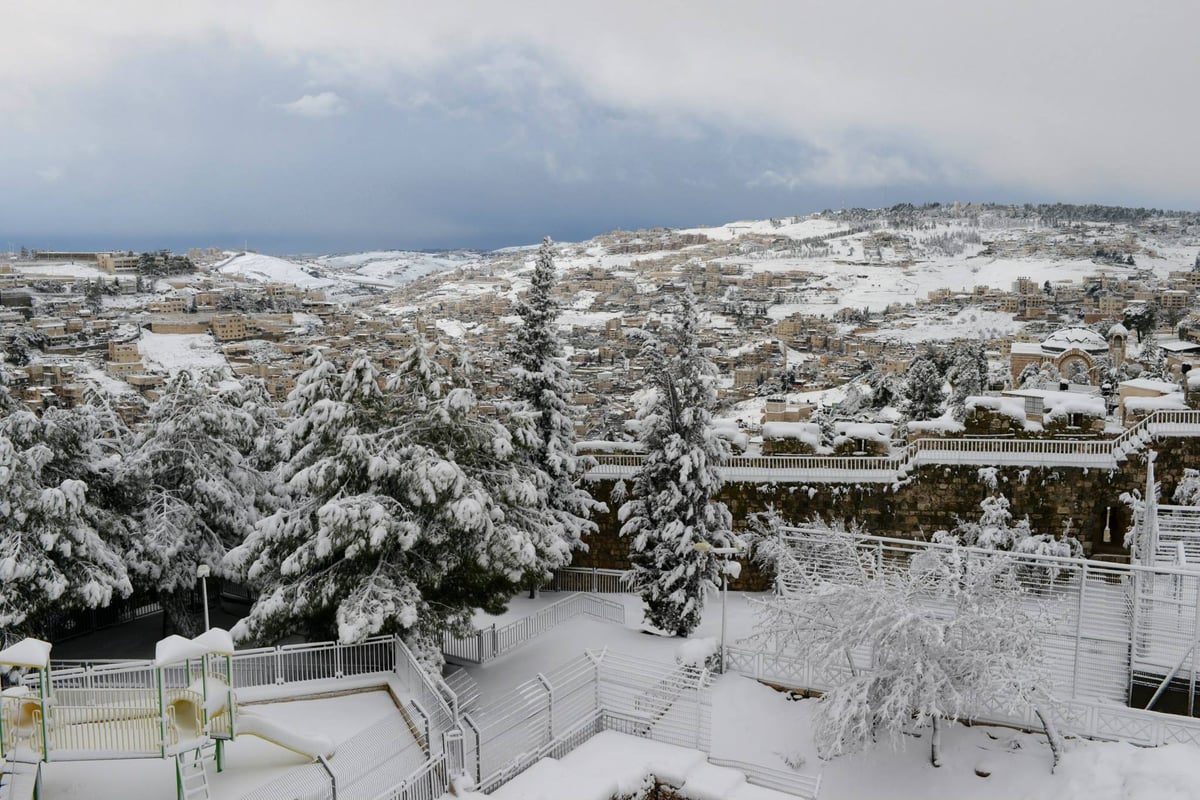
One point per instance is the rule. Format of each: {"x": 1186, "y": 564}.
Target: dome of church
{"x": 1118, "y": 330}
{"x": 1084, "y": 339}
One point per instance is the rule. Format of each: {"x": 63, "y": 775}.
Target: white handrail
{"x": 945, "y": 451}
{"x": 486, "y": 644}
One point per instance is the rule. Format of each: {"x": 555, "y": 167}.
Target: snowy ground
{"x": 172, "y": 352}
{"x": 751, "y": 723}
{"x": 250, "y": 761}
{"x": 269, "y": 269}
{"x": 757, "y": 724}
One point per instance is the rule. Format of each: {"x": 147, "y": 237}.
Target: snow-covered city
{"x": 599, "y": 401}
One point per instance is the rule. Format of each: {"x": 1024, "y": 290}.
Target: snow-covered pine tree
{"x": 1187, "y": 491}
{"x": 995, "y": 530}
{"x": 967, "y": 375}
{"x": 409, "y": 509}
{"x": 199, "y": 463}
{"x": 55, "y": 554}
{"x": 923, "y": 393}
{"x": 543, "y": 387}
{"x": 673, "y": 509}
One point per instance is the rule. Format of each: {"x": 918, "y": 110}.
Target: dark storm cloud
{"x": 334, "y": 126}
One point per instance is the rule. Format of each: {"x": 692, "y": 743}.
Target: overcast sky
{"x": 302, "y": 126}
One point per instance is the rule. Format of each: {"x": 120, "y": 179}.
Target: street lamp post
{"x": 202, "y": 572}
{"x": 727, "y": 552}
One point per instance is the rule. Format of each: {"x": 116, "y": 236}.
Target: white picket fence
{"x": 492, "y": 642}
{"x": 981, "y": 451}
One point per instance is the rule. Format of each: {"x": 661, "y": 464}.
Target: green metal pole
{"x": 229, "y": 702}
{"x": 42, "y": 690}
{"x": 162, "y": 715}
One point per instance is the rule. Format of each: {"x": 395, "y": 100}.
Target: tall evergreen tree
{"x": 968, "y": 375}
{"x": 409, "y": 509}
{"x": 200, "y": 466}
{"x": 544, "y": 388}
{"x": 923, "y": 393}
{"x": 54, "y": 554}
{"x": 672, "y": 509}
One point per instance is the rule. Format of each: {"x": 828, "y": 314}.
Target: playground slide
{"x": 309, "y": 745}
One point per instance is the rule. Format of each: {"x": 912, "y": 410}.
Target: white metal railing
{"x": 427, "y": 783}
{"x": 1115, "y": 632}
{"x": 308, "y": 782}
{"x": 592, "y": 579}
{"x": 793, "y": 783}
{"x": 558, "y": 710}
{"x": 492, "y": 642}
{"x": 1079, "y": 717}
{"x": 1100, "y": 453}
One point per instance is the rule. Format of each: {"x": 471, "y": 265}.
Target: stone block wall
{"x": 934, "y": 498}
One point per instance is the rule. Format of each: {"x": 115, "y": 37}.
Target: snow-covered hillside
{"x": 260, "y": 268}
{"x": 389, "y": 268}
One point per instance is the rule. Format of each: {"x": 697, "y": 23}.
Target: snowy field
{"x": 750, "y": 722}
{"x": 757, "y": 724}
{"x": 172, "y": 352}
{"x": 259, "y": 268}
{"x": 393, "y": 267}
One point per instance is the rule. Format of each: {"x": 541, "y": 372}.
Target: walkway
{"x": 1077, "y": 453}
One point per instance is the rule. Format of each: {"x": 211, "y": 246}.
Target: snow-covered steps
{"x": 612, "y": 763}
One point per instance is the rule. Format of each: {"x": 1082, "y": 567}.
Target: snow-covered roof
{"x": 1178, "y": 346}
{"x": 27, "y": 653}
{"x": 1150, "y": 385}
{"x": 605, "y": 446}
{"x": 1073, "y": 403}
{"x": 1160, "y": 402}
{"x": 868, "y": 431}
{"x": 791, "y": 430}
{"x": 1008, "y": 406}
{"x": 1075, "y": 338}
{"x": 1118, "y": 330}
{"x": 943, "y": 424}
{"x": 1026, "y": 349}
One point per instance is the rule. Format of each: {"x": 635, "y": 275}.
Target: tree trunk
{"x": 1052, "y": 737}
{"x": 177, "y": 614}
{"x": 935, "y": 743}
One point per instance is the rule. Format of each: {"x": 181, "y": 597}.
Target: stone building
{"x": 1072, "y": 351}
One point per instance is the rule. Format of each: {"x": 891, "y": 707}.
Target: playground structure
{"x": 187, "y": 704}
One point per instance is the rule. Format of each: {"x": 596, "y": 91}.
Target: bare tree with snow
{"x": 947, "y": 634}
